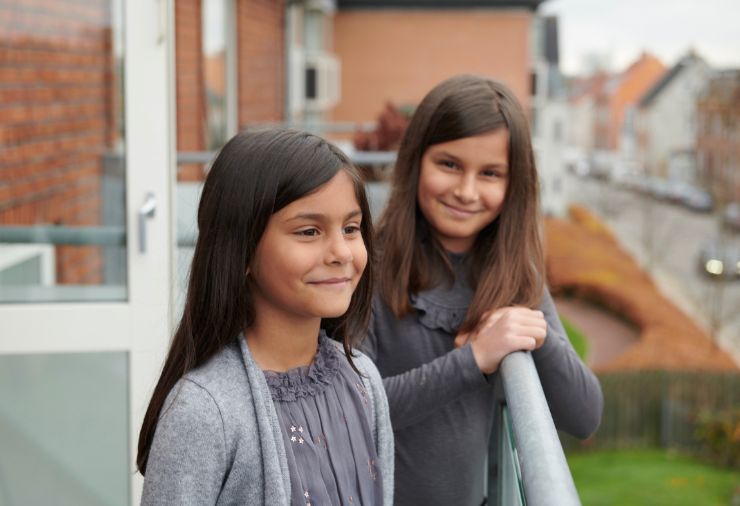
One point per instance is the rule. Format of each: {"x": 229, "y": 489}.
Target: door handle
{"x": 146, "y": 211}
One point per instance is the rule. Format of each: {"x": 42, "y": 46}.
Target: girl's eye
{"x": 489, "y": 173}
{"x": 308, "y": 232}
{"x": 448, "y": 164}
{"x": 351, "y": 230}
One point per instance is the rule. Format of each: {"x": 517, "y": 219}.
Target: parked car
{"x": 658, "y": 188}
{"x": 634, "y": 182}
{"x": 579, "y": 166}
{"x": 717, "y": 259}
{"x": 576, "y": 162}
{"x": 731, "y": 216}
{"x": 698, "y": 199}
{"x": 642, "y": 185}
{"x": 678, "y": 190}
{"x": 601, "y": 164}
{"x": 625, "y": 173}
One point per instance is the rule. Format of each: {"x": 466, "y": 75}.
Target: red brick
{"x": 190, "y": 92}
{"x": 260, "y": 39}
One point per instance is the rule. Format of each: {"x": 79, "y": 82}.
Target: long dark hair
{"x": 255, "y": 175}
{"x": 507, "y": 258}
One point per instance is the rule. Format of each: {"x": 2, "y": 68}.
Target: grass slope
{"x": 577, "y": 339}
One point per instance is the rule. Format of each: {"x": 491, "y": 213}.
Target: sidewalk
{"x": 607, "y": 335}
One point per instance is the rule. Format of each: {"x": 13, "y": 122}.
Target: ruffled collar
{"x": 434, "y": 315}
{"x": 306, "y": 381}
{"x": 444, "y": 307}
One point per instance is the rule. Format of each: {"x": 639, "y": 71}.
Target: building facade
{"x": 666, "y": 120}
{"x": 718, "y": 136}
{"x": 396, "y": 51}
{"x": 620, "y": 93}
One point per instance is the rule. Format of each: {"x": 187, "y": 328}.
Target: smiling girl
{"x": 461, "y": 285}
{"x": 262, "y": 399}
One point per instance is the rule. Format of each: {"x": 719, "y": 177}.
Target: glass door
{"x": 86, "y": 157}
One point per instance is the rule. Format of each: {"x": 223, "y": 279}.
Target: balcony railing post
{"x": 545, "y": 473}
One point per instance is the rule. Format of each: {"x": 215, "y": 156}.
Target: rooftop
{"x": 667, "y": 78}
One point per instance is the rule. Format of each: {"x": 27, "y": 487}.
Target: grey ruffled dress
{"x": 323, "y": 410}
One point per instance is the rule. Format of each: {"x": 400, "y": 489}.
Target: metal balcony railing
{"x": 532, "y": 469}
{"x": 358, "y": 157}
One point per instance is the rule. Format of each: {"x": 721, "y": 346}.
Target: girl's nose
{"x": 466, "y": 190}
{"x": 339, "y": 250}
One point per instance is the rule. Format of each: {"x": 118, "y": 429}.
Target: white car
{"x": 718, "y": 259}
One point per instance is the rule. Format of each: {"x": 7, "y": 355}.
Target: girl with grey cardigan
{"x": 262, "y": 399}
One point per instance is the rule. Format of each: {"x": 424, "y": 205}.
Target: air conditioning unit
{"x": 321, "y": 85}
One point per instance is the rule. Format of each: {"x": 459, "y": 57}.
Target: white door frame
{"x": 150, "y": 140}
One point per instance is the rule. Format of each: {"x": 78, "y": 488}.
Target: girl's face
{"x": 462, "y": 185}
{"x": 312, "y": 254}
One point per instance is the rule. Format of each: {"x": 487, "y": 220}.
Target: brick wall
{"x": 261, "y": 60}
{"x": 399, "y": 55}
{"x": 190, "y": 84}
{"x": 718, "y": 137}
{"x": 57, "y": 94}
{"x": 59, "y": 97}
{"x": 260, "y": 72}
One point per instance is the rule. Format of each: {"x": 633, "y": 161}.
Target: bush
{"x": 719, "y": 434}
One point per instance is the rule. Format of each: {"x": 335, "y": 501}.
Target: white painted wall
{"x": 670, "y": 120}
{"x": 581, "y": 124}
{"x": 550, "y": 147}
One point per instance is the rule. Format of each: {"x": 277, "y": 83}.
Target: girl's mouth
{"x": 456, "y": 211}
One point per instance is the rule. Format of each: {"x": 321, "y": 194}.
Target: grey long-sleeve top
{"x": 219, "y": 440}
{"x": 442, "y": 406}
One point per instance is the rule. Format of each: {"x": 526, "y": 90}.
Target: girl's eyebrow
{"x": 447, "y": 154}
{"x": 323, "y": 217}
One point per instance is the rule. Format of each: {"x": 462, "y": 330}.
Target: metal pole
{"x": 545, "y": 473}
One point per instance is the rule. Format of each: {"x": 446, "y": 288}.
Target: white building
{"x": 666, "y": 120}
{"x": 549, "y": 114}
{"x": 581, "y": 122}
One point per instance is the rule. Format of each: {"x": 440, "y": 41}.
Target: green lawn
{"x": 577, "y": 339}
{"x": 651, "y": 477}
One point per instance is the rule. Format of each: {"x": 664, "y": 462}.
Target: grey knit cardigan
{"x": 218, "y": 440}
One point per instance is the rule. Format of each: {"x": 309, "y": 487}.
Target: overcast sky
{"x": 617, "y": 31}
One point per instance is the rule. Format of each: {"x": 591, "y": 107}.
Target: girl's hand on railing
{"x": 503, "y": 331}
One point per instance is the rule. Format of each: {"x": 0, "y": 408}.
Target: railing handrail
{"x": 545, "y": 473}
{"x": 319, "y": 126}
{"x": 105, "y": 235}
{"x": 357, "y": 157}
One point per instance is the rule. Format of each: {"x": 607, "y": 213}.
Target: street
{"x": 666, "y": 240}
